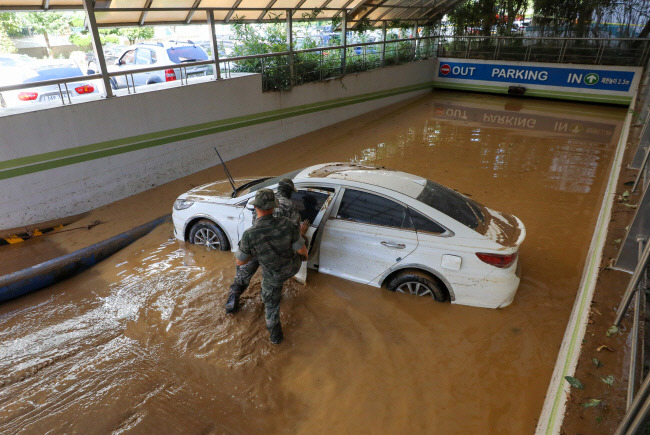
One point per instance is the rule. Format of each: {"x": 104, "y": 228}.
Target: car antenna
{"x": 232, "y": 183}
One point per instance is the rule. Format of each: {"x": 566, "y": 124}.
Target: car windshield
{"x": 188, "y": 53}
{"x": 453, "y": 204}
{"x": 52, "y": 72}
{"x": 269, "y": 182}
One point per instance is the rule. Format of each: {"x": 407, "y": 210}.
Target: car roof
{"x": 399, "y": 181}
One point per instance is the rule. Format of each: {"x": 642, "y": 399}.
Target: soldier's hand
{"x": 304, "y": 226}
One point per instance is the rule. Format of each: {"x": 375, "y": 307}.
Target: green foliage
{"x": 568, "y": 16}
{"x": 6, "y": 46}
{"x": 46, "y": 23}
{"x": 134, "y": 34}
{"x": 84, "y": 41}
{"x": 10, "y": 23}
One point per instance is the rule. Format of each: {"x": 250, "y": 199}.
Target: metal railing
{"x": 282, "y": 70}
{"x": 638, "y": 236}
{"x": 591, "y": 51}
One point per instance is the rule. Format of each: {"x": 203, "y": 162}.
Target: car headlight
{"x": 182, "y": 204}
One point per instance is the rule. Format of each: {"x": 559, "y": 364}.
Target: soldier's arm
{"x": 298, "y": 244}
{"x": 243, "y": 253}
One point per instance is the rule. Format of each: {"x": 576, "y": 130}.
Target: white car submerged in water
{"x": 378, "y": 227}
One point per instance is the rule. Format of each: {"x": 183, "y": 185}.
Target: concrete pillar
{"x": 289, "y": 13}
{"x": 383, "y": 45}
{"x": 213, "y": 46}
{"x": 97, "y": 46}
{"x": 344, "y": 40}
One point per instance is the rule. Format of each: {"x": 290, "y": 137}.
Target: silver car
{"x": 147, "y": 55}
{"x": 41, "y": 71}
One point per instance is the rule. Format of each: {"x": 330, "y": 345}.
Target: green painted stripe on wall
{"x": 55, "y": 159}
{"x": 571, "y": 96}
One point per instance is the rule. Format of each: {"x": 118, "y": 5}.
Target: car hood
{"x": 503, "y": 228}
{"x": 217, "y": 191}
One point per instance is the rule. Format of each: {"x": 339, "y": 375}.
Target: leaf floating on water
{"x": 609, "y": 380}
{"x": 591, "y": 403}
{"x": 612, "y": 330}
{"x": 574, "y": 382}
{"x": 617, "y": 241}
{"x": 596, "y": 362}
{"x": 603, "y": 346}
{"x": 626, "y": 194}
{"x": 630, "y": 205}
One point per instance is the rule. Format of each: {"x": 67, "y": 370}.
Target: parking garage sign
{"x": 584, "y": 79}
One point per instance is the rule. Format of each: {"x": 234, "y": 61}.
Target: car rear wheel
{"x": 418, "y": 284}
{"x": 206, "y": 233}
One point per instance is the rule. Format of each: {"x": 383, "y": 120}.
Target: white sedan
{"x": 379, "y": 227}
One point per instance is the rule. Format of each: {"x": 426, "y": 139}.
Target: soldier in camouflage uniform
{"x": 275, "y": 242}
{"x": 285, "y": 208}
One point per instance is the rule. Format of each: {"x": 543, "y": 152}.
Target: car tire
{"x": 417, "y": 283}
{"x": 206, "y": 233}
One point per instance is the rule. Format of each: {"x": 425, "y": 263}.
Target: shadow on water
{"x": 141, "y": 342}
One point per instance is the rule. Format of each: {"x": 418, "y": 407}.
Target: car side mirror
{"x": 118, "y": 62}
{"x": 90, "y": 72}
{"x": 250, "y": 207}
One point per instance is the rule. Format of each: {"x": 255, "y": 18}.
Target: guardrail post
{"x": 562, "y": 50}
{"x": 415, "y": 39}
{"x": 97, "y": 47}
{"x": 639, "y": 271}
{"x": 344, "y": 39}
{"x": 383, "y": 43}
{"x": 599, "y": 55}
{"x": 213, "y": 46}
{"x": 290, "y": 46}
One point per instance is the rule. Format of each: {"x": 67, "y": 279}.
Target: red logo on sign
{"x": 445, "y": 69}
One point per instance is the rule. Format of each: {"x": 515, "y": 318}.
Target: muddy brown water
{"x": 140, "y": 343}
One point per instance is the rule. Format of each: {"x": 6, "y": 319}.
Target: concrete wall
{"x": 67, "y": 160}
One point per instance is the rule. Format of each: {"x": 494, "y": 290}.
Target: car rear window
{"x": 189, "y": 53}
{"x": 54, "y": 72}
{"x": 453, "y": 204}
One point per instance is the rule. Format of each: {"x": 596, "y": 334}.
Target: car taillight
{"x": 497, "y": 260}
{"x": 85, "y": 89}
{"x": 27, "y": 96}
{"x": 170, "y": 75}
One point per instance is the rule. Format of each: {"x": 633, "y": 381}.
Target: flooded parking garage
{"x": 141, "y": 343}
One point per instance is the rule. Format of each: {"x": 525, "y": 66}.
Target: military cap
{"x": 265, "y": 199}
{"x": 286, "y": 184}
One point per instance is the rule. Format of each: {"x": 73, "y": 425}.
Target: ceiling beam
{"x": 191, "y": 13}
{"x": 143, "y": 15}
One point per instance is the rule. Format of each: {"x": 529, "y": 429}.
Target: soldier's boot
{"x": 232, "y": 305}
{"x": 276, "y": 336}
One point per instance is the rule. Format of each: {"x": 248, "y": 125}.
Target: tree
{"x": 134, "y": 34}
{"x": 46, "y": 24}
{"x": 569, "y": 17}
{"x": 6, "y": 46}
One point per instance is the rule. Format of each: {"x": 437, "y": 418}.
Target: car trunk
{"x": 503, "y": 228}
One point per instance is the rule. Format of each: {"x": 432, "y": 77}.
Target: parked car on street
{"x": 147, "y": 55}
{"x": 379, "y": 227}
{"x": 37, "y": 71}
{"x": 14, "y": 60}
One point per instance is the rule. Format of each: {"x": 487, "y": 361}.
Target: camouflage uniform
{"x": 284, "y": 208}
{"x": 273, "y": 242}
